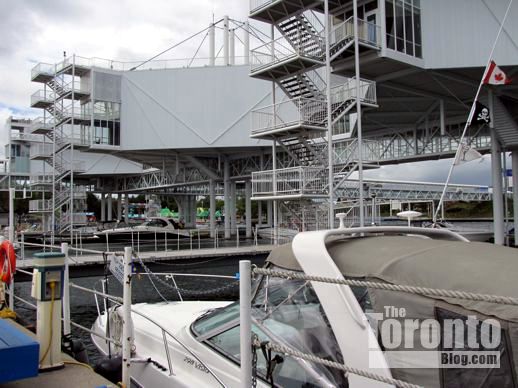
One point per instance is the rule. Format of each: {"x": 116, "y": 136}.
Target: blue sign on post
{"x": 508, "y": 172}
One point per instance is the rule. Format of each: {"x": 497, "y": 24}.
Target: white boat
{"x": 154, "y": 227}
{"x": 197, "y": 344}
{"x": 471, "y": 234}
{"x": 283, "y": 234}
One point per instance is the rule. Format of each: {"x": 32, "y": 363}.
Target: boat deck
{"x": 72, "y": 375}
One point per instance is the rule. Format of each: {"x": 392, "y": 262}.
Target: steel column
{"x": 496, "y": 178}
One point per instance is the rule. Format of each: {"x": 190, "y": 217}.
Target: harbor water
{"x": 145, "y": 289}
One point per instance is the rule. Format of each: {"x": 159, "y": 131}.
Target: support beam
{"x": 515, "y": 195}
{"x": 103, "y": 207}
{"x": 381, "y": 20}
{"x": 226, "y": 194}
{"x": 233, "y": 207}
{"x": 246, "y": 43}
{"x": 200, "y": 166}
{"x": 421, "y": 93}
{"x": 110, "y": 208}
{"x": 496, "y": 178}
{"x": 225, "y": 41}
{"x": 269, "y": 213}
{"x": 212, "y": 208}
{"x": 212, "y": 45}
{"x": 126, "y": 208}
{"x": 441, "y": 119}
{"x": 248, "y": 208}
{"x": 259, "y": 213}
{"x": 232, "y": 47}
{"x": 119, "y": 207}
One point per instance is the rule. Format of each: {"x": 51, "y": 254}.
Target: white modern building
{"x": 258, "y": 123}
{"x": 418, "y": 65}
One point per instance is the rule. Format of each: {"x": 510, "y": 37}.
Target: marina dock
{"x": 204, "y": 253}
{"x": 72, "y": 375}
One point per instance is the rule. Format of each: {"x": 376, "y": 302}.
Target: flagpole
{"x": 470, "y": 117}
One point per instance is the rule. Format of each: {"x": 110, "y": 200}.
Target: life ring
{"x": 7, "y": 261}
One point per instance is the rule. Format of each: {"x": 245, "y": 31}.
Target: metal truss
{"x": 401, "y": 190}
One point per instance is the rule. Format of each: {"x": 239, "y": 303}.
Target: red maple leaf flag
{"x": 495, "y": 76}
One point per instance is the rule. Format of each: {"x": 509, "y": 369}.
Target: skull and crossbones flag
{"x": 480, "y": 114}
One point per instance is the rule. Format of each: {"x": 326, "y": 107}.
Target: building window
{"x": 106, "y": 122}
{"x": 403, "y": 23}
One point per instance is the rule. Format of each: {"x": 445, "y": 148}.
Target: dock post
{"x": 515, "y": 195}
{"x": 22, "y": 245}
{"x": 66, "y": 292}
{"x": 126, "y": 322}
{"x": 245, "y": 318}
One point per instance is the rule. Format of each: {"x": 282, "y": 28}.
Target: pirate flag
{"x": 480, "y": 114}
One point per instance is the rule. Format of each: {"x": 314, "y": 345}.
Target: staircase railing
{"x": 347, "y": 91}
{"x": 42, "y": 68}
{"x": 277, "y": 51}
{"x": 302, "y": 180}
{"x": 345, "y": 152}
{"x": 41, "y": 150}
{"x": 40, "y": 205}
{"x": 368, "y": 32}
{"x": 299, "y": 111}
{"x": 41, "y": 179}
{"x": 41, "y": 123}
{"x": 42, "y": 95}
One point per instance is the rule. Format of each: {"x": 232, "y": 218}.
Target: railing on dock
{"x": 161, "y": 242}
{"x": 125, "y": 343}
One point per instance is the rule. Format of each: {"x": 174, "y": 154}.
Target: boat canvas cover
{"x": 416, "y": 261}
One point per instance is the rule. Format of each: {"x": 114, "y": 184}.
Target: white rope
{"x": 392, "y": 287}
{"x": 355, "y": 371}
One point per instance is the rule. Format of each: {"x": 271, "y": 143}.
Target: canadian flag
{"x": 495, "y": 76}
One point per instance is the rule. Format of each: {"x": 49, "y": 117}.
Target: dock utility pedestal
{"x": 47, "y": 289}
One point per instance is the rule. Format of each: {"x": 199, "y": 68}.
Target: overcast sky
{"x": 35, "y": 31}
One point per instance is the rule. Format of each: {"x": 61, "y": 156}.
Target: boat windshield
{"x": 285, "y": 312}
{"x": 155, "y": 222}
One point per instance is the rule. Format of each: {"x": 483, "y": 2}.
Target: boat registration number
{"x": 196, "y": 364}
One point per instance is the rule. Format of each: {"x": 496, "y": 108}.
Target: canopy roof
{"x": 411, "y": 260}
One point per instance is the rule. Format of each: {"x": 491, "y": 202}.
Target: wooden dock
{"x": 170, "y": 255}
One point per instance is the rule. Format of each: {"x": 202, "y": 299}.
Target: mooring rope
{"x": 392, "y": 287}
{"x": 332, "y": 364}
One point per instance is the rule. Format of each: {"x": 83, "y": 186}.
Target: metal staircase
{"x": 61, "y": 99}
{"x": 304, "y": 32}
{"x": 299, "y": 123}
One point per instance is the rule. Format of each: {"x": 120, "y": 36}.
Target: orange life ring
{"x": 7, "y": 261}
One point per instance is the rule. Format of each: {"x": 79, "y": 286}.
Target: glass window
{"x": 216, "y": 318}
{"x": 458, "y": 341}
{"x": 417, "y": 31}
{"x": 409, "y": 35}
{"x": 400, "y": 30}
{"x": 403, "y": 23}
{"x": 287, "y": 312}
{"x": 390, "y": 23}
{"x": 371, "y": 6}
